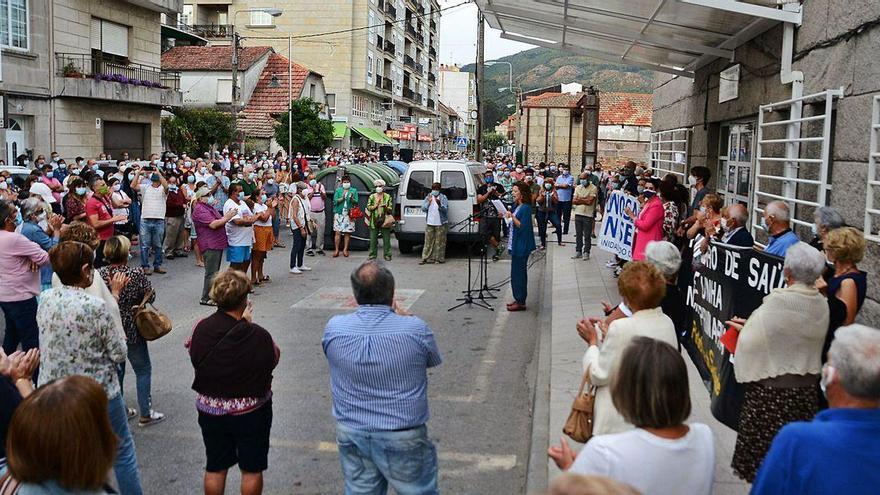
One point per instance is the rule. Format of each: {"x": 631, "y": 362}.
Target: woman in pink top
{"x": 649, "y": 223}
{"x": 53, "y": 183}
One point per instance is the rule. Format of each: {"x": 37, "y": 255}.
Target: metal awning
{"x": 178, "y": 33}
{"x": 673, "y": 36}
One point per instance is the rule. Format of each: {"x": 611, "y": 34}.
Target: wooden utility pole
{"x": 480, "y": 72}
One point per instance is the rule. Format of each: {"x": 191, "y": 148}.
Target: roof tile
{"x": 211, "y": 57}
{"x": 268, "y": 99}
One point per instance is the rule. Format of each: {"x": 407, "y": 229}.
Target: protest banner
{"x": 618, "y": 230}
{"x": 732, "y": 281}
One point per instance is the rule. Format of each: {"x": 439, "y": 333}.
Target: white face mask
{"x": 692, "y": 181}
{"x": 346, "y": 185}
{"x": 724, "y": 224}
{"x": 379, "y": 189}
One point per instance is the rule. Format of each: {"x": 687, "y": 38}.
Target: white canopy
{"x": 674, "y": 36}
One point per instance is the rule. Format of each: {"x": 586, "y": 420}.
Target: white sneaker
{"x": 295, "y": 270}
{"x": 305, "y": 269}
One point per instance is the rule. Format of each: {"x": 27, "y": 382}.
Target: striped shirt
{"x": 378, "y": 368}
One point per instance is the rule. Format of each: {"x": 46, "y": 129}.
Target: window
{"x": 419, "y": 185}
{"x": 376, "y": 111}
{"x": 370, "y": 68}
{"x": 358, "y": 106}
{"x": 224, "y": 91}
{"x": 453, "y": 185}
{"x": 109, "y": 38}
{"x": 371, "y": 23}
{"x": 312, "y": 90}
{"x": 186, "y": 18}
{"x": 331, "y": 103}
{"x": 259, "y": 18}
{"x": 14, "y": 24}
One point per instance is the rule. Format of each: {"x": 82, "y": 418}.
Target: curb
{"x": 536, "y": 471}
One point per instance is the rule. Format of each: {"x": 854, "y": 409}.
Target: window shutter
{"x": 114, "y": 39}
{"x": 96, "y": 33}
{"x": 224, "y": 91}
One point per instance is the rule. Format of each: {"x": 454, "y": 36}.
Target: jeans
{"x": 563, "y": 209}
{"x": 371, "y": 461}
{"x": 134, "y": 215}
{"x": 213, "y": 259}
{"x": 583, "y": 231}
{"x": 374, "y": 242}
{"x": 21, "y": 325}
{"x": 125, "y": 466}
{"x": 298, "y": 250}
{"x": 543, "y": 217}
{"x": 151, "y": 235}
{"x": 276, "y": 224}
{"x": 519, "y": 278}
{"x": 175, "y": 236}
{"x": 139, "y": 357}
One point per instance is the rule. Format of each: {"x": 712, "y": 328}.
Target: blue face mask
{"x": 435, "y": 193}
{"x": 764, "y": 224}
{"x": 18, "y": 219}
{"x": 81, "y": 191}
{"x": 130, "y": 177}
{"x": 490, "y": 179}
{"x": 154, "y": 177}
{"x": 263, "y": 198}
{"x": 191, "y": 179}
{"x": 50, "y": 174}
{"x": 814, "y": 230}
{"x": 582, "y": 182}
{"x": 506, "y": 174}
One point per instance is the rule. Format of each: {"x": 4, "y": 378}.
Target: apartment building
{"x": 83, "y": 76}
{"x": 458, "y": 91}
{"x": 379, "y": 78}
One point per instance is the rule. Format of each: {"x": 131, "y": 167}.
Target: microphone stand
{"x": 469, "y": 298}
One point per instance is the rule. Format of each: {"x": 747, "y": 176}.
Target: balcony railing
{"x": 84, "y": 66}
{"x": 433, "y": 25}
{"x": 390, "y": 10}
{"x": 389, "y": 47}
{"x": 410, "y": 94}
{"x": 209, "y": 30}
{"x": 432, "y": 77}
{"x": 411, "y": 30}
{"x": 432, "y": 52}
{"x": 409, "y": 62}
{"x": 387, "y": 84}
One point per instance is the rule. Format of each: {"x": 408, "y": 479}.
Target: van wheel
{"x": 405, "y": 247}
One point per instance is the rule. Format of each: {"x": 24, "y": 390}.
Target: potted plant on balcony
{"x": 71, "y": 70}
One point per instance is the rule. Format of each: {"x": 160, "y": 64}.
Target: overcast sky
{"x": 458, "y": 36}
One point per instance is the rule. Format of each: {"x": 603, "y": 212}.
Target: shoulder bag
{"x": 151, "y": 323}
{"x": 579, "y": 425}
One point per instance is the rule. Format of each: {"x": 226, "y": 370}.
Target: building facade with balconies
{"x": 458, "y": 91}
{"x": 83, "y": 77}
{"x": 382, "y": 77}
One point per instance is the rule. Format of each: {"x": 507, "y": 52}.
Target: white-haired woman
{"x": 667, "y": 258}
{"x": 379, "y": 206}
{"x": 778, "y": 358}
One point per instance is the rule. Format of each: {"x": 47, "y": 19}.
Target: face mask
{"x": 81, "y": 191}
{"x": 74, "y": 171}
{"x": 79, "y": 162}
{"x": 827, "y": 377}
{"x": 379, "y": 189}
{"x": 582, "y": 182}
{"x": 435, "y": 193}
{"x": 263, "y": 198}
{"x": 49, "y": 175}
{"x": 764, "y": 224}
{"x": 187, "y": 164}
{"x": 103, "y": 190}
{"x": 814, "y": 229}
{"x": 519, "y": 170}
{"x": 640, "y": 189}
{"x": 173, "y": 188}
{"x": 529, "y": 178}
{"x": 703, "y": 209}
{"x": 548, "y": 186}
{"x": 154, "y": 177}
{"x": 9, "y": 180}
{"x": 553, "y": 168}
{"x": 284, "y": 167}
{"x": 346, "y": 185}
{"x": 506, "y": 174}
{"x": 490, "y": 179}
{"x": 203, "y": 170}
{"x": 649, "y": 193}
{"x": 18, "y": 219}
{"x": 116, "y": 187}
{"x": 218, "y": 174}
{"x": 692, "y": 181}
{"x": 55, "y": 159}
{"x": 130, "y": 177}
{"x": 271, "y": 181}
{"x": 95, "y": 167}
{"x": 156, "y": 163}
{"x": 203, "y": 191}
{"x": 724, "y": 224}
{"x": 62, "y": 165}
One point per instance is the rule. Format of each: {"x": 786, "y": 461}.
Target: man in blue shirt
{"x": 379, "y": 357}
{"x": 839, "y": 451}
{"x": 777, "y": 222}
{"x": 564, "y": 189}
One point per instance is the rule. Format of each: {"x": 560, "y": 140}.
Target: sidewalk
{"x": 577, "y": 289}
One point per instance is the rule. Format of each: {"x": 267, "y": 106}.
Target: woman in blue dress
{"x": 520, "y": 244}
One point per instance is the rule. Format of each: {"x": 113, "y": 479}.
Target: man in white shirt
{"x": 152, "y": 231}
{"x": 436, "y": 206}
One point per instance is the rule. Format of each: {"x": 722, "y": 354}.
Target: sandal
{"x": 336, "y": 254}
{"x": 131, "y": 412}
{"x": 266, "y": 279}
{"x": 345, "y": 253}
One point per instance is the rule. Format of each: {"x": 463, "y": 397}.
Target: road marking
{"x": 481, "y": 382}
{"x": 455, "y": 463}
{"x": 340, "y": 298}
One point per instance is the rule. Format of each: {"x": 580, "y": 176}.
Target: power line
{"x": 362, "y": 28}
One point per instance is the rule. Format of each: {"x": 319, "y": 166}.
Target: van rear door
{"x": 418, "y": 186}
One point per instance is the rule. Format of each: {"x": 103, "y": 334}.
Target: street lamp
{"x": 236, "y": 45}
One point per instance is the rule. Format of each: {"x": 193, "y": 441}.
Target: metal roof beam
{"x": 593, "y": 28}
{"x": 610, "y": 57}
{"x": 754, "y": 29}
{"x": 751, "y": 10}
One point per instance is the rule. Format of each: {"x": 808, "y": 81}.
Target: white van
{"x": 458, "y": 180}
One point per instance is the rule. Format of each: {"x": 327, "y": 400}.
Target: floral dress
{"x": 670, "y": 221}
{"x": 131, "y": 296}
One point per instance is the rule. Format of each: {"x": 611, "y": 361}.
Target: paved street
{"x": 480, "y": 398}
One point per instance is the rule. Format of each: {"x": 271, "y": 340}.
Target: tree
{"x": 311, "y": 133}
{"x": 493, "y": 140}
{"x": 196, "y": 130}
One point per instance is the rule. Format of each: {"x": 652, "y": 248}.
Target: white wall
{"x": 454, "y": 90}
{"x": 199, "y": 88}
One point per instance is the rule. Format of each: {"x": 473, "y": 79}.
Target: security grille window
{"x": 259, "y": 18}
{"x": 331, "y": 103}
{"x": 359, "y": 106}
{"x": 792, "y": 158}
{"x": 872, "y": 201}
{"x": 669, "y": 152}
{"x": 109, "y": 40}
{"x": 14, "y": 24}
{"x": 735, "y": 159}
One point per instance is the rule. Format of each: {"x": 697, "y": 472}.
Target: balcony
{"x": 432, "y": 77}
{"x": 411, "y": 30}
{"x": 209, "y": 31}
{"x": 432, "y": 52}
{"x": 390, "y": 10}
{"x": 170, "y": 7}
{"x": 410, "y": 95}
{"x": 84, "y": 76}
{"x": 409, "y": 62}
{"x": 430, "y": 103}
{"x": 387, "y": 84}
{"x": 420, "y": 9}
{"x": 380, "y": 4}
{"x": 389, "y": 47}
{"x": 433, "y": 26}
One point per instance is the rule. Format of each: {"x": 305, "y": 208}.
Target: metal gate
{"x": 120, "y": 137}
{"x": 669, "y": 152}
{"x": 794, "y": 168}
{"x": 872, "y": 210}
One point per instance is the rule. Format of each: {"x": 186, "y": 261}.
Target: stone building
{"x": 552, "y": 128}
{"x": 82, "y": 76}
{"x": 624, "y": 128}
{"x": 380, "y": 78}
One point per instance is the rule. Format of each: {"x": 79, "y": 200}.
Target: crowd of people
{"x": 70, "y": 296}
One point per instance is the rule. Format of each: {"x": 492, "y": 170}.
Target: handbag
{"x": 151, "y": 323}
{"x": 579, "y": 425}
{"x": 355, "y": 212}
{"x": 388, "y": 222}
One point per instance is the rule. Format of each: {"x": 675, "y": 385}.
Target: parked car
{"x": 458, "y": 180}
{"x": 18, "y": 174}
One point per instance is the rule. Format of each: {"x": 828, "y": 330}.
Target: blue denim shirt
{"x": 779, "y": 244}
{"x": 444, "y": 207}
{"x": 35, "y": 233}
{"x": 379, "y": 364}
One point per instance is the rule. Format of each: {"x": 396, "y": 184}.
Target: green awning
{"x": 340, "y": 130}
{"x": 372, "y": 134}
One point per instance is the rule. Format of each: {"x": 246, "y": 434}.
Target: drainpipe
{"x": 796, "y": 79}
